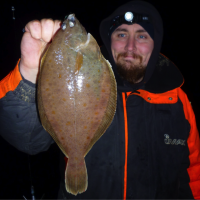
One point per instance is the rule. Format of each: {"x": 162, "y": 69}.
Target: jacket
{"x": 19, "y": 121}
{"x": 158, "y": 160}
{"x": 151, "y": 149}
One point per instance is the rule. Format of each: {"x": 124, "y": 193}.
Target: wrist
{"x": 29, "y": 74}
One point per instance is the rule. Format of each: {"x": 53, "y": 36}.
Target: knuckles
{"x": 44, "y": 29}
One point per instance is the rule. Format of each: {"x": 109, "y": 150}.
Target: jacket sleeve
{"x": 193, "y": 143}
{"x": 19, "y": 119}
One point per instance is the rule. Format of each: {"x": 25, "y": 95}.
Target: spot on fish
{"x": 53, "y": 112}
{"x": 59, "y": 76}
{"x": 96, "y": 113}
{"x": 71, "y": 135}
{"x": 50, "y": 60}
{"x": 47, "y": 89}
{"x": 84, "y": 104}
{"x": 85, "y": 127}
{"x": 97, "y": 99}
{"x": 88, "y": 85}
{"x": 98, "y": 70}
{"x": 103, "y": 90}
{"x": 62, "y": 138}
{"x": 47, "y": 79}
{"x": 68, "y": 123}
{"x": 88, "y": 137}
{"x": 64, "y": 99}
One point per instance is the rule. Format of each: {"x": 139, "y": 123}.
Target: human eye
{"x": 142, "y": 37}
{"x": 121, "y": 35}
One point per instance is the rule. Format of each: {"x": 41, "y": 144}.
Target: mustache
{"x": 125, "y": 54}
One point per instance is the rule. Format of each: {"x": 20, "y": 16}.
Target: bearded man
{"x": 151, "y": 149}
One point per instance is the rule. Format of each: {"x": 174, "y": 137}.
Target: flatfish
{"x": 76, "y": 97}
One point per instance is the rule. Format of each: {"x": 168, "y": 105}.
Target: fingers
{"x": 44, "y": 29}
{"x": 34, "y": 28}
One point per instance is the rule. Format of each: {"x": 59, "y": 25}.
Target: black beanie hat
{"x": 142, "y": 20}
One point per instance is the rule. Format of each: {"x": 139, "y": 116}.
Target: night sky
{"x": 180, "y": 42}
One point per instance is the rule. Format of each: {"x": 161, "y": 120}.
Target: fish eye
{"x": 63, "y": 26}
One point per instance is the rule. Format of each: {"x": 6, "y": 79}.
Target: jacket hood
{"x": 141, "y": 7}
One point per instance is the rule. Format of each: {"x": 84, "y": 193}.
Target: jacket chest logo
{"x": 167, "y": 140}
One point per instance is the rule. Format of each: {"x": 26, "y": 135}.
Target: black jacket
{"x": 19, "y": 121}
{"x": 159, "y": 131}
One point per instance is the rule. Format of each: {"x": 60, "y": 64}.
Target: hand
{"x": 34, "y": 41}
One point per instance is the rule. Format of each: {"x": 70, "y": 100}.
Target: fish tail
{"x": 76, "y": 176}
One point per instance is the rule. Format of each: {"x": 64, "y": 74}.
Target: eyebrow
{"x": 141, "y": 31}
{"x": 121, "y": 29}
{"x": 125, "y": 30}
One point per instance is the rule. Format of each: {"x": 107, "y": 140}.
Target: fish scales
{"x": 76, "y": 97}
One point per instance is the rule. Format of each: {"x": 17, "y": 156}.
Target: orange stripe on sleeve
{"x": 126, "y": 144}
{"x": 193, "y": 145}
{"x": 10, "y": 82}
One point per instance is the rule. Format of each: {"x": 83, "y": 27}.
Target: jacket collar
{"x": 165, "y": 77}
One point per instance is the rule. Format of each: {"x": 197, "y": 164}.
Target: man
{"x": 151, "y": 149}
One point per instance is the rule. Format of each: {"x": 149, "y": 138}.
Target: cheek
{"x": 116, "y": 47}
{"x": 114, "y": 50}
{"x": 145, "y": 49}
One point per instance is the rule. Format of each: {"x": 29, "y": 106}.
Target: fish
{"x": 76, "y": 96}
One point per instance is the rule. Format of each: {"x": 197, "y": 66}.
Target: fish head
{"x": 75, "y": 34}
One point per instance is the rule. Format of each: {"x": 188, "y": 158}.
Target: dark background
{"x": 180, "y": 44}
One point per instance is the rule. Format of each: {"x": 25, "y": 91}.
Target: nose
{"x": 131, "y": 44}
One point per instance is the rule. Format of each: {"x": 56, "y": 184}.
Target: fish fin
{"x": 76, "y": 176}
{"x": 110, "y": 110}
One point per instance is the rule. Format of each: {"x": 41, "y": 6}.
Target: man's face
{"x": 131, "y": 48}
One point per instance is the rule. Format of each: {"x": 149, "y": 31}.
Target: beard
{"x": 131, "y": 71}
